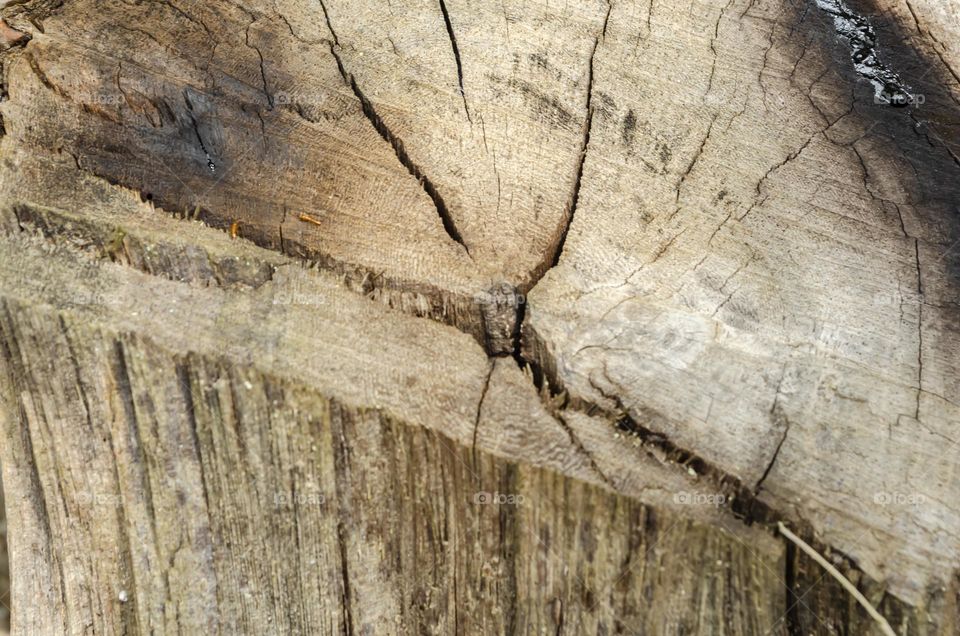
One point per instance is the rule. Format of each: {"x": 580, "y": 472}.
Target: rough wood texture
{"x": 187, "y": 467}
{"x": 4, "y": 570}
{"x": 187, "y": 429}
{"x": 787, "y": 306}
{"x": 727, "y": 274}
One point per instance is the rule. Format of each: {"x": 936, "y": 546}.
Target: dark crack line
{"x": 792, "y": 616}
{"x": 873, "y": 195}
{"x": 263, "y": 71}
{"x": 759, "y": 188}
{"x": 42, "y": 76}
{"x": 578, "y": 444}
{"x": 713, "y": 49}
{"x": 776, "y": 454}
{"x": 937, "y": 47}
{"x": 575, "y": 196}
{"x": 126, "y": 98}
{"x": 395, "y": 142}
{"x": 746, "y": 506}
{"x": 446, "y": 219}
{"x": 476, "y": 422}
{"x": 584, "y": 146}
{"x": 517, "y": 335}
{"x": 198, "y": 21}
{"x": 326, "y": 17}
{"x": 283, "y": 220}
{"x": 456, "y": 56}
{"x": 927, "y": 132}
{"x": 345, "y": 598}
{"x": 916, "y": 247}
{"x": 695, "y": 159}
{"x": 196, "y": 131}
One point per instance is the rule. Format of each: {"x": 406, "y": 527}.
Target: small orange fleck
{"x": 235, "y": 229}
{"x": 308, "y": 219}
{"x": 10, "y": 37}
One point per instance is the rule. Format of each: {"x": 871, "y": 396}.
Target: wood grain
{"x": 291, "y": 290}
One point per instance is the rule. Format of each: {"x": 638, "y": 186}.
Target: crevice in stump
{"x": 456, "y": 55}
{"x": 395, "y": 142}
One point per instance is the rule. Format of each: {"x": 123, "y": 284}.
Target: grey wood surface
{"x": 497, "y": 317}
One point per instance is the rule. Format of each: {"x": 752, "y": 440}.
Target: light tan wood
{"x": 289, "y": 288}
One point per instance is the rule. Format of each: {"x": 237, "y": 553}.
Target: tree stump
{"x": 486, "y": 317}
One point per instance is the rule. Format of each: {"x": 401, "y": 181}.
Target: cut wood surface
{"x": 785, "y": 306}
{"x": 674, "y": 273}
{"x": 191, "y": 480}
{"x": 4, "y": 573}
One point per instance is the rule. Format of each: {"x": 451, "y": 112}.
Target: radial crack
{"x": 263, "y": 71}
{"x": 773, "y": 460}
{"x": 336, "y": 40}
{"x": 578, "y": 444}
{"x": 916, "y": 247}
{"x": 456, "y": 56}
{"x": 196, "y": 131}
{"x": 759, "y": 188}
{"x": 584, "y": 145}
{"x": 476, "y": 422}
{"x": 695, "y": 159}
{"x": 395, "y": 142}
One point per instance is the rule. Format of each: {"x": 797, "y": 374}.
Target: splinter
{"x": 235, "y": 229}
{"x": 309, "y": 219}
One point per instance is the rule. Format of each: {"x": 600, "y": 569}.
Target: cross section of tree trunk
{"x": 480, "y": 317}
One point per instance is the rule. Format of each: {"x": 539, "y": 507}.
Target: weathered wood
{"x": 726, "y": 274}
{"x": 261, "y": 442}
{"x": 186, "y": 490}
{"x": 4, "y": 569}
{"x": 788, "y": 311}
